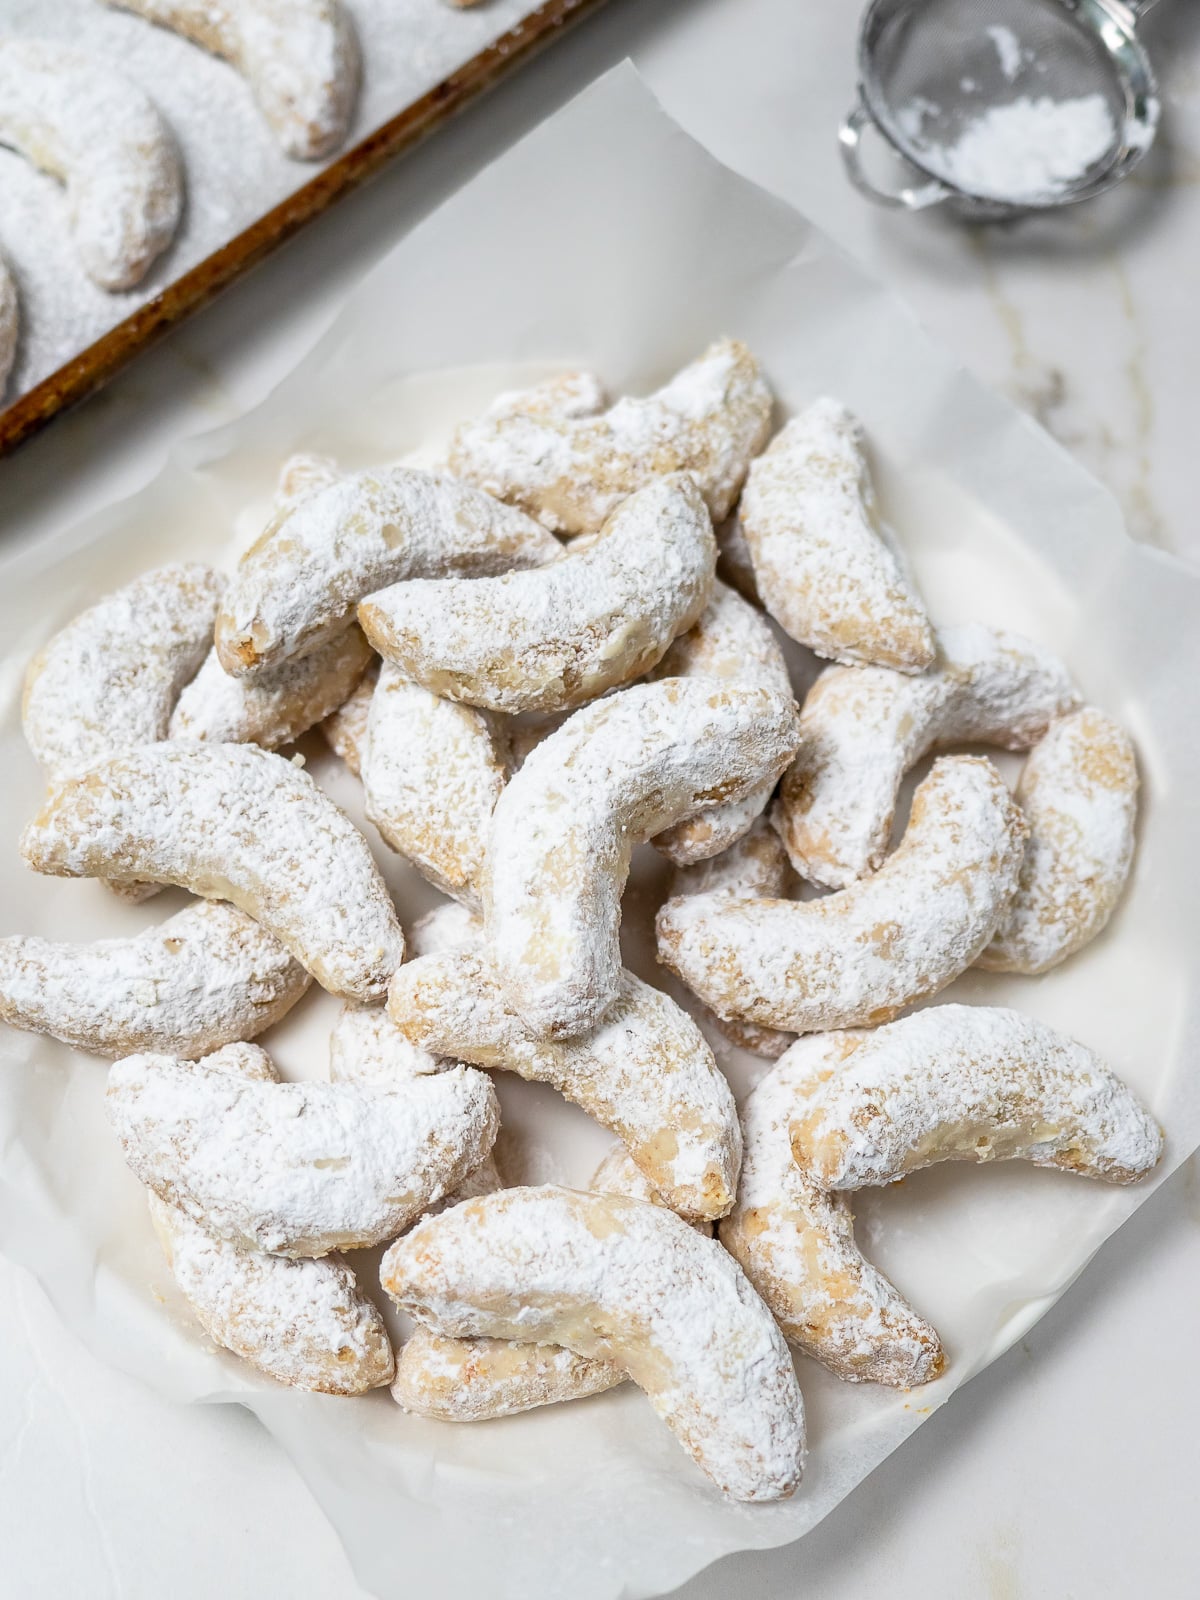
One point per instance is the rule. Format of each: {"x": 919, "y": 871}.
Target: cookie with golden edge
{"x": 616, "y": 1279}
{"x": 231, "y": 822}
{"x": 822, "y": 565}
{"x": 970, "y": 1083}
{"x": 572, "y": 472}
{"x": 858, "y": 957}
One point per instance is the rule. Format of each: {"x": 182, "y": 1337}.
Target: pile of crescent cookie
{"x": 529, "y": 661}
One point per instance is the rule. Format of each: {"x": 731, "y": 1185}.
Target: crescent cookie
{"x": 77, "y": 119}
{"x": 755, "y": 868}
{"x": 303, "y": 1323}
{"x": 474, "y": 1380}
{"x": 553, "y": 638}
{"x": 857, "y": 958}
{"x": 615, "y": 774}
{"x": 733, "y": 643}
{"x": 571, "y": 473}
{"x": 231, "y": 822}
{"x": 1078, "y": 791}
{"x": 302, "y": 578}
{"x": 345, "y": 730}
{"x": 796, "y": 1243}
{"x": 864, "y": 727}
{"x": 10, "y": 323}
{"x": 822, "y": 567}
{"x": 971, "y": 1083}
{"x": 106, "y": 682}
{"x": 645, "y": 1072}
{"x": 432, "y": 772}
{"x": 300, "y": 58}
{"x": 620, "y": 1280}
{"x": 298, "y": 1169}
{"x": 206, "y": 977}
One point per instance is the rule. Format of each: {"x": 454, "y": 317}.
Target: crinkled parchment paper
{"x": 609, "y": 237}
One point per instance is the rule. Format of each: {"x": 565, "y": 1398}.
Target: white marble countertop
{"x": 1068, "y": 1467}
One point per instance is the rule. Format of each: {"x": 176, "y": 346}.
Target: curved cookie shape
{"x": 345, "y": 730}
{"x": 615, "y": 774}
{"x": 106, "y": 682}
{"x": 77, "y": 119}
{"x": 645, "y": 1072}
{"x": 298, "y": 1169}
{"x": 550, "y": 639}
{"x": 822, "y": 567}
{"x": 300, "y": 58}
{"x": 864, "y": 727}
{"x": 474, "y": 1380}
{"x": 733, "y": 643}
{"x": 303, "y": 1323}
{"x": 10, "y": 323}
{"x": 614, "y": 1278}
{"x": 857, "y": 958}
{"x": 275, "y": 706}
{"x": 207, "y": 977}
{"x": 971, "y": 1083}
{"x": 231, "y": 822}
{"x": 1078, "y": 791}
{"x": 572, "y": 473}
{"x": 796, "y": 1243}
{"x": 432, "y": 772}
{"x": 301, "y": 580}
{"x": 755, "y": 868}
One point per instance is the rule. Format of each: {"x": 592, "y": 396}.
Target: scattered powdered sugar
{"x": 298, "y": 1169}
{"x": 1078, "y": 791}
{"x": 232, "y": 822}
{"x": 971, "y": 1083}
{"x": 206, "y": 977}
{"x": 617, "y": 1279}
{"x": 863, "y": 728}
{"x": 616, "y": 773}
{"x": 550, "y": 639}
{"x": 1027, "y": 150}
{"x": 1009, "y": 50}
{"x": 645, "y": 1072}
{"x": 796, "y": 1243}
{"x": 858, "y": 957}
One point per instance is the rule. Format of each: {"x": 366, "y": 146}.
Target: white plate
{"x": 609, "y": 238}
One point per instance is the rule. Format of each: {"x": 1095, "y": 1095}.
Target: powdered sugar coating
{"x": 107, "y": 682}
{"x": 432, "y": 772}
{"x": 345, "y": 730}
{"x": 571, "y": 473}
{"x": 450, "y": 926}
{"x": 1078, "y": 790}
{"x": 231, "y": 822}
{"x": 10, "y": 323}
{"x": 300, "y": 58}
{"x": 556, "y": 637}
{"x": 366, "y": 1047}
{"x": 301, "y": 579}
{"x": 81, "y": 121}
{"x": 274, "y": 706}
{"x": 796, "y": 1243}
{"x": 567, "y": 395}
{"x": 298, "y": 1169}
{"x": 206, "y": 977}
{"x": 971, "y": 1083}
{"x": 864, "y": 727}
{"x": 303, "y": 1323}
{"x": 858, "y": 957}
{"x": 645, "y": 1071}
{"x": 755, "y": 867}
{"x": 809, "y": 519}
{"x": 615, "y": 1278}
{"x": 733, "y": 643}
{"x": 615, "y": 774}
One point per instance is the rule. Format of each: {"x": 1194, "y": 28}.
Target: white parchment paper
{"x": 608, "y": 237}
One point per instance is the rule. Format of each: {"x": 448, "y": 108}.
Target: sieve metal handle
{"x": 911, "y": 198}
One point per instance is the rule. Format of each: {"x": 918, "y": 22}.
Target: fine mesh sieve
{"x": 1003, "y": 105}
